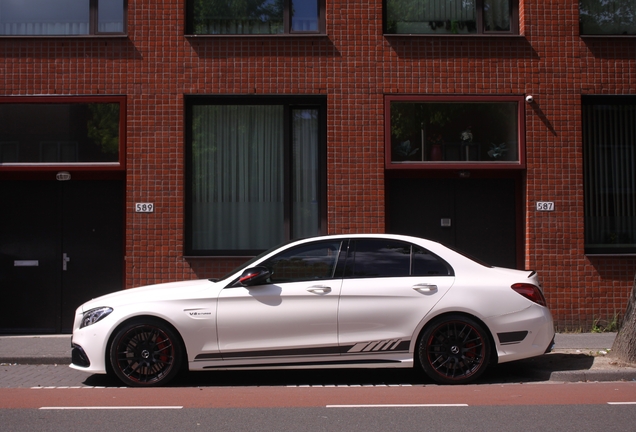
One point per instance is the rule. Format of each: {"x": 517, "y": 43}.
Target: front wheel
{"x": 454, "y": 350}
{"x": 146, "y": 354}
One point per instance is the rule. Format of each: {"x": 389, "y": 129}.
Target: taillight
{"x": 531, "y": 292}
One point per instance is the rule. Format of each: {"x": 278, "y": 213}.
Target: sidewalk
{"x": 576, "y": 356}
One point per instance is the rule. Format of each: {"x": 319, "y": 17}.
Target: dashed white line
{"x": 398, "y": 406}
{"x": 112, "y": 408}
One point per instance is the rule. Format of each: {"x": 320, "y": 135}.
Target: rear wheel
{"x": 454, "y": 350}
{"x": 146, "y": 354}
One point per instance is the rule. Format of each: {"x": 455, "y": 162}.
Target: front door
{"x": 294, "y": 315}
{"x": 477, "y": 215}
{"x": 61, "y": 244}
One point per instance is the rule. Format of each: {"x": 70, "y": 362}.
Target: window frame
{"x": 289, "y": 103}
{"x": 479, "y": 9}
{"x": 472, "y": 165}
{"x": 601, "y": 100}
{"x": 120, "y": 165}
{"x": 93, "y": 26}
{"x": 322, "y": 24}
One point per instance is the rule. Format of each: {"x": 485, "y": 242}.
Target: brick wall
{"x": 355, "y": 66}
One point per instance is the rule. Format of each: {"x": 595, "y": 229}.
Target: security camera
{"x": 529, "y": 99}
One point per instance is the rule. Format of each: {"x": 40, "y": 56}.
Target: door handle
{"x": 65, "y": 260}
{"x": 425, "y": 288}
{"x": 319, "y": 289}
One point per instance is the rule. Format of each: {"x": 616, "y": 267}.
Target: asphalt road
{"x": 510, "y": 407}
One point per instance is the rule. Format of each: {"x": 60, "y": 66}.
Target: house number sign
{"x": 545, "y": 206}
{"x": 144, "y": 207}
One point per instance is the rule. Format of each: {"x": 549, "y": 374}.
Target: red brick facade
{"x": 355, "y": 66}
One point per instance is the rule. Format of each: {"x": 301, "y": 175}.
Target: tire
{"x": 454, "y": 350}
{"x": 146, "y": 354}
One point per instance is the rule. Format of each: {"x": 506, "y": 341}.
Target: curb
{"x": 593, "y": 375}
{"x": 36, "y": 360}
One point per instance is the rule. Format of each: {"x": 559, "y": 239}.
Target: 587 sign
{"x": 144, "y": 207}
{"x": 546, "y": 206}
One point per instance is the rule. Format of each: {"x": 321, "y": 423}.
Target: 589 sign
{"x": 144, "y": 207}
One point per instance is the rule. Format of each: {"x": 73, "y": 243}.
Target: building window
{"x": 475, "y": 131}
{"x": 257, "y": 173}
{"x": 452, "y": 17}
{"x": 607, "y": 17}
{"x": 68, "y": 131}
{"x": 258, "y": 17}
{"x": 609, "y": 146}
{"x": 62, "y": 17}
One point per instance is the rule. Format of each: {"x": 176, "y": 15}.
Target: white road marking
{"x": 397, "y": 406}
{"x": 621, "y": 403}
{"x": 112, "y": 408}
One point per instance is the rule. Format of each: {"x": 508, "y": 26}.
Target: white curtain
{"x": 610, "y": 175}
{"x": 305, "y": 208}
{"x": 237, "y": 177}
{"x": 497, "y": 15}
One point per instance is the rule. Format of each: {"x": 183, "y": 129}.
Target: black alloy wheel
{"x": 146, "y": 354}
{"x": 454, "y": 350}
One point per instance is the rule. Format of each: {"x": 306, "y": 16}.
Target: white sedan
{"x": 343, "y": 301}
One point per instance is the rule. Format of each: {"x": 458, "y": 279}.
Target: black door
{"x": 477, "y": 216}
{"x": 61, "y": 243}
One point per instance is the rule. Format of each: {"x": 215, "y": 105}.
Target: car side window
{"x": 428, "y": 264}
{"x": 379, "y": 258}
{"x": 305, "y": 262}
{"x": 392, "y": 258}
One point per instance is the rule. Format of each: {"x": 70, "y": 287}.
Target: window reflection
{"x": 306, "y": 262}
{"x": 59, "y": 133}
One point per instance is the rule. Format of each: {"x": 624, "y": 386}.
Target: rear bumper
{"x": 536, "y": 322}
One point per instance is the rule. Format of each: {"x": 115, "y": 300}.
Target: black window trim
{"x": 595, "y": 100}
{"x": 520, "y": 164}
{"x": 289, "y": 102}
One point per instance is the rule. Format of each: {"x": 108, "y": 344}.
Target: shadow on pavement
{"x": 530, "y": 370}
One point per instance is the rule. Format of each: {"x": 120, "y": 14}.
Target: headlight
{"x": 94, "y": 315}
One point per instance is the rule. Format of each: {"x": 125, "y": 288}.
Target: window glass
{"x": 44, "y": 17}
{"x": 60, "y": 17}
{"x": 607, "y": 17}
{"x": 609, "y": 146}
{"x": 256, "y": 176}
{"x": 448, "y": 16}
{"x": 306, "y": 184}
{"x": 59, "y": 133}
{"x": 221, "y": 17}
{"x": 248, "y": 17}
{"x": 305, "y": 262}
{"x": 437, "y": 132}
{"x": 427, "y": 264}
{"x": 380, "y": 258}
{"x": 496, "y": 16}
{"x": 304, "y": 15}
{"x": 110, "y": 16}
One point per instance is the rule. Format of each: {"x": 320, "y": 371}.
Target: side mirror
{"x": 254, "y": 276}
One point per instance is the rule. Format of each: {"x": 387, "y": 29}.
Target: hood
{"x": 163, "y": 291}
